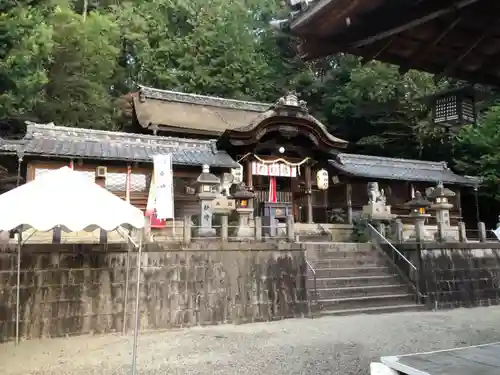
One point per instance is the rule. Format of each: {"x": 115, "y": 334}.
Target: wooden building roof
{"x": 455, "y": 38}
{"x": 376, "y": 167}
{"x": 48, "y": 140}
{"x": 173, "y": 111}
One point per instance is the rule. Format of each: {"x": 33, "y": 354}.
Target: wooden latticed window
{"x": 117, "y": 181}
{"x": 140, "y": 181}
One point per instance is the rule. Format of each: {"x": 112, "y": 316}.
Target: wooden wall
{"x": 116, "y": 180}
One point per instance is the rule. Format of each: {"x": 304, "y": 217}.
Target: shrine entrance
{"x": 279, "y": 153}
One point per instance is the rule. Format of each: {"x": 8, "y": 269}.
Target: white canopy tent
{"x": 65, "y": 199}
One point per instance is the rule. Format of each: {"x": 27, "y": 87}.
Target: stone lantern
{"x": 418, "y": 206}
{"x": 440, "y": 195}
{"x": 244, "y": 209}
{"x": 207, "y": 191}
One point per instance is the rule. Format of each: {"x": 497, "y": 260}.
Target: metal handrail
{"x": 392, "y": 246}
{"x": 315, "y": 286}
{"x": 415, "y": 285}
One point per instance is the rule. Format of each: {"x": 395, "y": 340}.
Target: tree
{"x": 477, "y": 151}
{"x": 83, "y": 63}
{"x": 25, "y": 48}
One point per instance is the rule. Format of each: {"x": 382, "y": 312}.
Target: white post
{"x": 127, "y": 277}
{"x": 18, "y": 284}
{"x": 137, "y": 315}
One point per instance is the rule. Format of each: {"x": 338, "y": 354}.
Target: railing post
{"x": 482, "y": 231}
{"x": 462, "y": 234}
{"x": 258, "y": 228}
{"x": 440, "y": 232}
{"x": 399, "y": 229}
{"x": 290, "y": 228}
{"x": 186, "y": 235}
{"x": 224, "y": 229}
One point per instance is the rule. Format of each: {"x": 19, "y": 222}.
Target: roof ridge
{"x": 216, "y": 101}
{"x": 33, "y": 126}
{"x": 414, "y": 161}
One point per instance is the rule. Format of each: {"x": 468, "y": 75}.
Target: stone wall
{"x": 458, "y": 274}
{"x": 80, "y": 289}
{"x": 462, "y": 277}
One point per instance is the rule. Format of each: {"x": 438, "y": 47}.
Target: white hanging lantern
{"x": 322, "y": 179}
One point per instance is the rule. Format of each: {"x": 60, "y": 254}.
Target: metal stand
{"x": 125, "y": 297}
{"x": 18, "y": 283}
{"x": 137, "y": 314}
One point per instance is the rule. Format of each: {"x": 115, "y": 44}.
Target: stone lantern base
{"x": 244, "y": 229}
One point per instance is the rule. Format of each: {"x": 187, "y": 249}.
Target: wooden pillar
{"x": 249, "y": 183}
{"x": 101, "y": 181}
{"x": 307, "y": 174}
{"x": 348, "y": 196}
{"x": 459, "y": 203}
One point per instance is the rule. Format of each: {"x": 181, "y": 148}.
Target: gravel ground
{"x": 329, "y": 345}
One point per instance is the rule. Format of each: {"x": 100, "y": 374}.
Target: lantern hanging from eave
{"x": 322, "y": 179}
{"x": 454, "y": 108}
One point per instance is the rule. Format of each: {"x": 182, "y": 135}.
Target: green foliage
{"x": 477, "y": 151}
{"x": 25, "y": 48}
{"x": 75, "y": 63}
{"x": 360, "y": 232}
{"x": 80, "y": 73}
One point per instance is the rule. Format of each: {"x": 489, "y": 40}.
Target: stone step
{"x": 324, "y": 273}
{"x": 373, "y": 310}
{"x": 338, "y": 246}
{"x": 340, "y": 254}
{"x": 360, "y": 291}
{"x": 349, "y": 303}
{"x": 337, "y": 282}
{"x": 347, "y": 262}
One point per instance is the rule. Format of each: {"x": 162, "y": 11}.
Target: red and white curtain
{"x": 272, "y": 189}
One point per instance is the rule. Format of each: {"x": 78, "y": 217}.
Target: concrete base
{"x": 378, "y": 212}
{"x": 245, "y": 233}
{"x": 206, "y": 232}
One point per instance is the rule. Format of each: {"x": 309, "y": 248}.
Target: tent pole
{"x": 137, "y": 315}
{"x": 20, "y": 155}
{"x": 127, "y": 277}
{"x": 18, "y": 284}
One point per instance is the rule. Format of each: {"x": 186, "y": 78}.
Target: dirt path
{"x": 335, "y": 345}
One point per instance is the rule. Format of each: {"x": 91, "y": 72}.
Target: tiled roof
{"x": 398, "y": 169}
{"x": 59, "y": 141}
{"x": 213, "y": 101}
{"x": 180, "y": 112}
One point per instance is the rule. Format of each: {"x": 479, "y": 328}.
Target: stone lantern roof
{"x": 418, "y": 202}
{"x": 206, "y": 177}
{"x": 242, "y": 192}
{"x": 440, "y": 192}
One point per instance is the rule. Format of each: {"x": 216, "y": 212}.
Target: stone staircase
{"x": 353, "y": 278}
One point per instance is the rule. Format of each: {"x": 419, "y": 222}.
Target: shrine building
{"x": 280, "y": 151}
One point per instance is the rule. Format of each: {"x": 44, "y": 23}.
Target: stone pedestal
{"x": 244, "y": 230}
{"x": 206, "y": 229}
{"x": 207, "y": 192}
{"x": 420, "y": 234}
{"x": 378, "y": 211}
{"x": 443, "y": 220}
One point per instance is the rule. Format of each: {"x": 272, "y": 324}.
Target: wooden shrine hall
{"x": 280, "y": 151}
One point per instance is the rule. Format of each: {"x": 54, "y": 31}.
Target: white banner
{"x": 274, "y": 169}
{"x": 164, "y": 181}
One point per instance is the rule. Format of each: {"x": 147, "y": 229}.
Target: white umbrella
{"x": 65, "y": 199}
